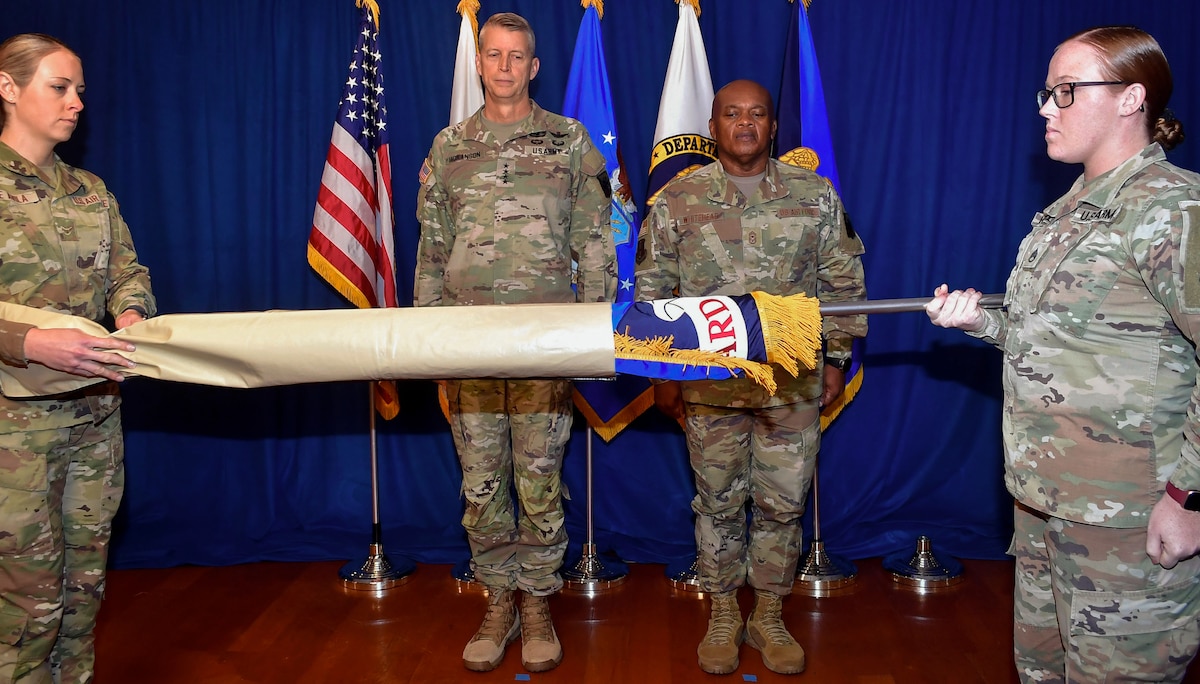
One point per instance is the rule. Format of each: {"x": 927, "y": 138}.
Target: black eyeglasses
{"x": 1064, "y": 93}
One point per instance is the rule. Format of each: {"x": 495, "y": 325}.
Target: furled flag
{"x": 352, "y": 244}
{"x": 608, "y": 406}
{"x": 681, "y": 141}
{"x": 803, "y": 139}
{"x": 467, "y": 96}
{"x": 683, "y": 338}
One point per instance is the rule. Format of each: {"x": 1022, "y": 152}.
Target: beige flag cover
{"x": 263, "y": 349}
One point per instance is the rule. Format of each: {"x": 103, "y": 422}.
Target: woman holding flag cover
{"x": 61, "y": 458}
{"x": 514, "y": 209}
{"x": 748, "y": 223}
{"x": 1101, "y": 398}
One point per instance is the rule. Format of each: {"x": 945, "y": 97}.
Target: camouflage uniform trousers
{"x": 1090, "y": 606}
{"x": 59, "y": 492}
{"x": 513, "y": 432}
{"x": 766, "y": 455}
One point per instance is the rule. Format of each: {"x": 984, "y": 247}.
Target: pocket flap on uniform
{"x": 1160, "y": 609}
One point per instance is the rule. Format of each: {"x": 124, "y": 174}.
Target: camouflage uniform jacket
{"x": 502, "y": 221}
{"x": 62, "y": 249}
{"x": 704, "y": 237}
{"x": 1100, "y": 395}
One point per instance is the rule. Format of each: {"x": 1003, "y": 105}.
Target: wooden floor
{"x": 295, "y": 622}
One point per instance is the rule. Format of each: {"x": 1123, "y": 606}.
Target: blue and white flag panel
{"x": 803, "y": 119}
{"x": 607, "y": 406}
{"x": 803, "y": 139}
{"x": 589, "y": 99}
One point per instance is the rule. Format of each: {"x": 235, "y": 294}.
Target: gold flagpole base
{"x": 821, "y": 574}
{"x": 922, "y": 571}
{"x": 376, "y": 573}
{"x": 590, "y": 575}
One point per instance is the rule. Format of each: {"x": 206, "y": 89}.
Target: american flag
{"x": 352, "y": 245}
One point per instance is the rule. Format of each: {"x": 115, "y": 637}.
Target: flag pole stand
{"x": 464, "y": 575}
{"x": 821, "y": 574}
{"x": 377, "y": 572}
{"x": 922, "y": 571}
{"x": 589, "y": 575}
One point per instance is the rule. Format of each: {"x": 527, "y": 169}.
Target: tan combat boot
{"x": 718, "y": 652}
{"x": 766, "y": 632}
{"x": 500, "y": 626}
{"x": 540, "y": 649}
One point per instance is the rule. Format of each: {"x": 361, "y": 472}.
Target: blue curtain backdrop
{"x": 210, "y": 121}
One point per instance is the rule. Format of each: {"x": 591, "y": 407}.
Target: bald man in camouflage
{"x": 743, "y": 223}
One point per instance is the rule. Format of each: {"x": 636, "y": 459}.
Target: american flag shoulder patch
{"x": 426, "y": 169}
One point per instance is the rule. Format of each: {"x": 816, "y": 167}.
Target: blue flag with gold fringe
{"x": 803, "y": 139}
{"x": 608, "y": 406}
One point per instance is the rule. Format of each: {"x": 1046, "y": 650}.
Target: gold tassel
{"x": 828, "y": 413}
{"x": 598, "y": 4}
{"x": 371, "y": 6}
{"x": 471, "y": 7}
{"x": 791, "y": 329}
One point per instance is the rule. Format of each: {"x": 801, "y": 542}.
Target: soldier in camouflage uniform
{"x": 514, "y": 209}
{"x": 1101, "y": 401}
{"x": 748, "y": 222}
{"x": 65, "y": 249}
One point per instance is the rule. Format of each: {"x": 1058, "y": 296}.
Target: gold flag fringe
{"x": 659, "y": 350}
{"x": 471, "y": 7}
{"x": 598, "y": 4}
{"x": 853, "y": 385}
{"x": 791, "y": 329}
{"x": 615, "y": 425}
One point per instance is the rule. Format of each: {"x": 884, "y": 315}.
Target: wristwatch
{"x": 844, "y": 365}
{"x": 1188, "y": 498}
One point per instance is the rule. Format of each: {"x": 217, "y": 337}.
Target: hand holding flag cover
{"x": 352, "y": 243}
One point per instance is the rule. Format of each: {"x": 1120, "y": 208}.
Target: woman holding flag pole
{"x": 1101, "y": 392}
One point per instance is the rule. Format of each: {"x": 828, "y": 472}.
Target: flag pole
{"x": 822, "y": 574}
{"x": 376, "y": 573}
{"x": 589, "y": 574}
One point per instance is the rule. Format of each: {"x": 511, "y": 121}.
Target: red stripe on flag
{"x": 351, "y": 244}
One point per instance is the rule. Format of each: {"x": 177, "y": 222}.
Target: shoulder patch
{"x": 426, "y": 169}
{"x": 593, "y": 163}
{"x": 1191, "y": 254}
